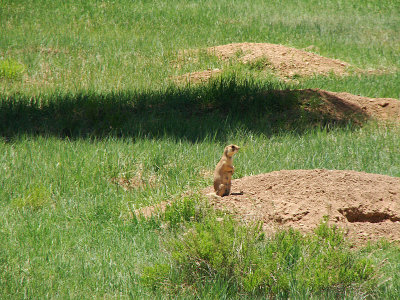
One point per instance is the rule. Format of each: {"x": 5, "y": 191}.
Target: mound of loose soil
{"x": 366, "y": 206}
{"x": 285, "y": 61}
{"x": 345, "y": 106}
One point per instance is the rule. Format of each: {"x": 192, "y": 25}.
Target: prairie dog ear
{"x": 234, "y": 147}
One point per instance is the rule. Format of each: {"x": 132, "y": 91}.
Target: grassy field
{"x": 92, "y": 127}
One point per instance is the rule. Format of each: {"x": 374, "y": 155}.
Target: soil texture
{"x": 285, "y": 61}
{"x": 345, "y": 106}
{"x": 366, "y": 206}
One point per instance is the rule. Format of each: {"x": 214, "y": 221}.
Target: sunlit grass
{"x": 85, "y": 169}
{"x": 378, "y": 86}
{"x": 75, "y": 45}
{"x": 93, "y": 127}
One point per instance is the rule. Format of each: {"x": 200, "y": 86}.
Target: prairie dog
{"x": 224, "y": 170}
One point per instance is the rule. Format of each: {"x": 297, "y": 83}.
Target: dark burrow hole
{"x": 354, "y": 214}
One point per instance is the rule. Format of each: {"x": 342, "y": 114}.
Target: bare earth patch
{"x": 285, "y": 61}
{"x": 366, "y": 206}
{"x": 346, "y": 106}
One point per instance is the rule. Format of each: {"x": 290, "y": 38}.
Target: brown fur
{"x": 224, "y": 171}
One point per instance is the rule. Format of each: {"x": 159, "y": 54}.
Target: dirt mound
{"x": 366, "y": 206}
{"x": 345, "y": 106}
{"x": 289, "y": 62}
{"x": 285, "y": 61}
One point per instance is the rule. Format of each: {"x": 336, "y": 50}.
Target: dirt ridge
{"x": 346, "y": 106}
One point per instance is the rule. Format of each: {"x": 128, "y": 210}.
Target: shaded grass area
{"x": 191, "y": 113}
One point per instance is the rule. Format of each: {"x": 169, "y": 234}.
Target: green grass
{"x": 105, "y": 46}
{"x": 85, "y": 168}
{"x": 247, "y": 263}
{"x": 84, "y": 241}
{"x": 10, "y": 69}
{"x": 92, "y": 127}
{"x": 382, "y": 86}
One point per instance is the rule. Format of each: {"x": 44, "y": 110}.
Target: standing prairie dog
{"x": 224, "y": 170}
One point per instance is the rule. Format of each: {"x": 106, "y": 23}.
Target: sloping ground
{"x": 288, "y": 62}
{"x": 345, "y": 106}
{"x": 285, "y": 61}
{"x": 366, "y": 206}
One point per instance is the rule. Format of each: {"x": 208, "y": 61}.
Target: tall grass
{"x": 81, "y": 239}
{"x": 220, "y": 249}
{"x": 75, "y": 45}
{"x": 92, "y": 128}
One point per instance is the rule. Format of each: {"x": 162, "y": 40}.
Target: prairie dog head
{"x": 230, "y": 150}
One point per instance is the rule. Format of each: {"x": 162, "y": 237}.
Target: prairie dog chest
{"x": 225, "y": 168}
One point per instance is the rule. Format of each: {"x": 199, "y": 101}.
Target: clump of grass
{"x": 11, "y": 69}
{"x": 36, "y": 197}
{"x": 220, "y": 249}
{"x": 239, "y": 53}
{"x": 186, "y": 209}
{"x": 259, "y": 64}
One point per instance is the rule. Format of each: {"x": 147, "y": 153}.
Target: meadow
{"x": 92, "y": 127}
